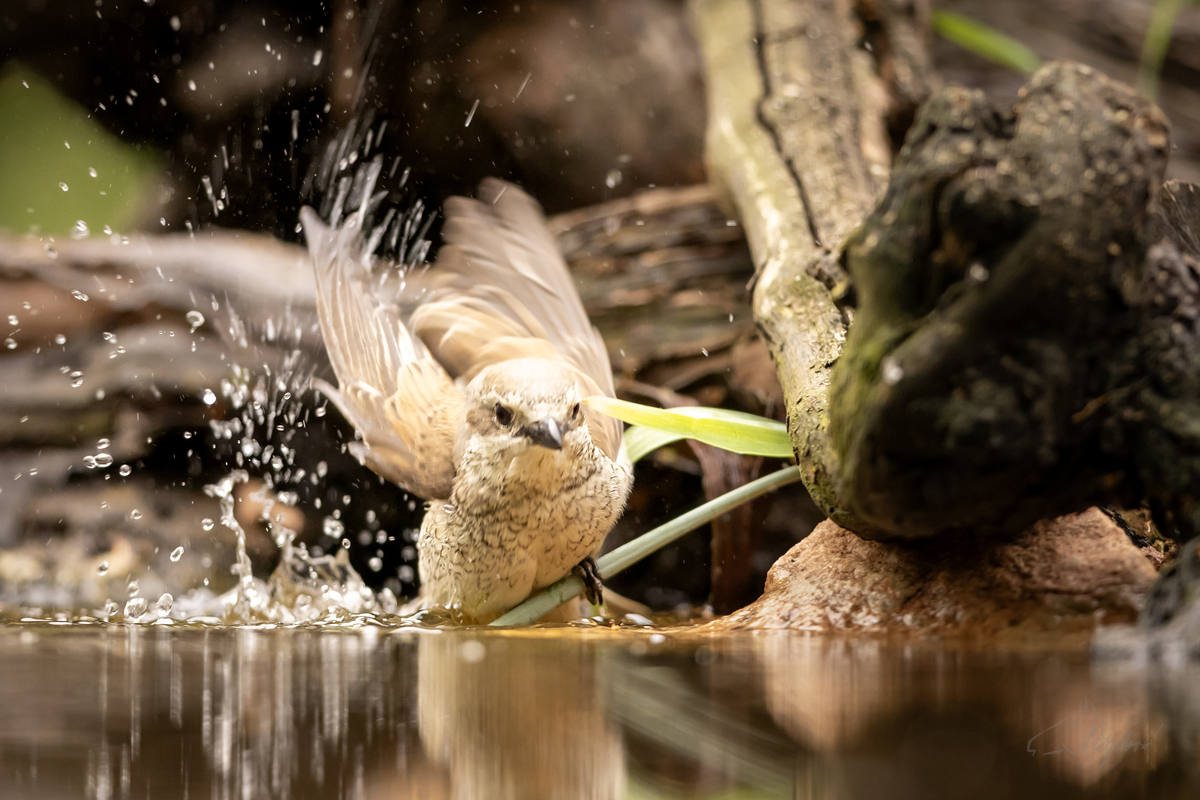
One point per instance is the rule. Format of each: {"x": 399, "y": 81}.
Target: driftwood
{"x": 797, "y": 144}
{"x": 109, "y": 342}
{"x": 1014, "y": 353}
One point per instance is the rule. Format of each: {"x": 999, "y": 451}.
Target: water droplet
{"x": 332, "y": 527}
{"x": 175, "y": 24}
{"x": 192, "y": 85}
{"x": 613, "y": 178}
{"x": 102, "y": 444}
{"x": 80, "y": 231}
{"x": 110, "y": 608}
{"x": 132, "y": 588}
{"x": 317, "y": 58}
{"x": 322, "y": 468}
{"x": 135, "y": 514}
{"x": 103, "y": 460}
{"x": 125, "y": 470}
{"x": 891, "y": 372}
{"x": 209, "y": 397}
{"x": 195, "y": 319}
{"x": 177, "y": 553}
{"x": 78, "y": 295}
{"x": 207, "y": 524}
{"x": 76, "y": 379}
{"x": 136, "y": 608}
{"x": 375, "y": 563}
{"x": 89, "y": 462}
{"x": 60, "y": 339}
{"x": 10, "y": 343}
{"x": 164, "y": 603}
{"x": 92, "y": 171}
{"x": 63, "y": 186}
{"x": 102, "y": 568}
{"x": 12, "y": 319}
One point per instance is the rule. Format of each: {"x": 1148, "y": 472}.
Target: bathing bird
{"x": 465, "y": 382}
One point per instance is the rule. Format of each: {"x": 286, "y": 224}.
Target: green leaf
{"x": 640, "y": 441}
{"x": 630, "y": 553}
{"x": 59, "y": 166}
{"x": 1154, "y": 47}
{"x": 729, "y": 430}
{"x": 986, "y": 42}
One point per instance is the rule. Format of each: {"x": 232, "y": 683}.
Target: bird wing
{"x": 398, "y": 397}
{"x": 500, "y": 289}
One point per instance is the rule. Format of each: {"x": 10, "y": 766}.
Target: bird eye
{"x": 504, "y": 414}
{"x": 575, "y": 411}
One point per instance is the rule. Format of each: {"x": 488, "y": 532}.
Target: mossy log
{"x": 1023, "y": 340}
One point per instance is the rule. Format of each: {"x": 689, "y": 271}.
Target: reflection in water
{"x": 110, "y": 712}
{"x": 514, "y": 717}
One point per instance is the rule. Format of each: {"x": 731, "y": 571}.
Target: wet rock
{"x": 1065, "y": 574}
{"x": 1006, "y": 362}
{"x": 1169, "y": 626}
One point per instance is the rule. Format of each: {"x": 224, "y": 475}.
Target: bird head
{"x": 526, "y": 404}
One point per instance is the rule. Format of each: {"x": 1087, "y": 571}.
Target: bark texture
{"x": 796, "y": 144}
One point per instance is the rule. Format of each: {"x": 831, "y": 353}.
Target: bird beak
{"x": 547, "y": 432}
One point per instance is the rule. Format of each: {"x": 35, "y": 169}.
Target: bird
{"x": 465, "y": 381}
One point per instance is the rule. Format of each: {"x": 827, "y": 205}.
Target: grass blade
{"x": 632, "y": 552}
{"x": 729, "y": 430}
{"x": 985, "y": 42}
{"x": 1154, "y": 47}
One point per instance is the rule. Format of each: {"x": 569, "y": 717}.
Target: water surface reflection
{"x": 112, "y": 712}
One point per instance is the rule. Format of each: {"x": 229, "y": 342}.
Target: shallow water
{"x": 115, "y": 711}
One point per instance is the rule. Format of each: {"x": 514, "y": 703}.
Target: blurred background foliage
{"x": 61, "y": 167}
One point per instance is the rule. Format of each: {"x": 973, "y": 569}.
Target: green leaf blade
{"x": 640, "y": 441}
{"x": 729, "y": 430}
{"x": 985, "y": 41}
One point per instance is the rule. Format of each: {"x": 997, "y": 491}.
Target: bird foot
{"x": 589, "y": 573}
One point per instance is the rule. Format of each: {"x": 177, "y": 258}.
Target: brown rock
{"x": 1069, "y": 573}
